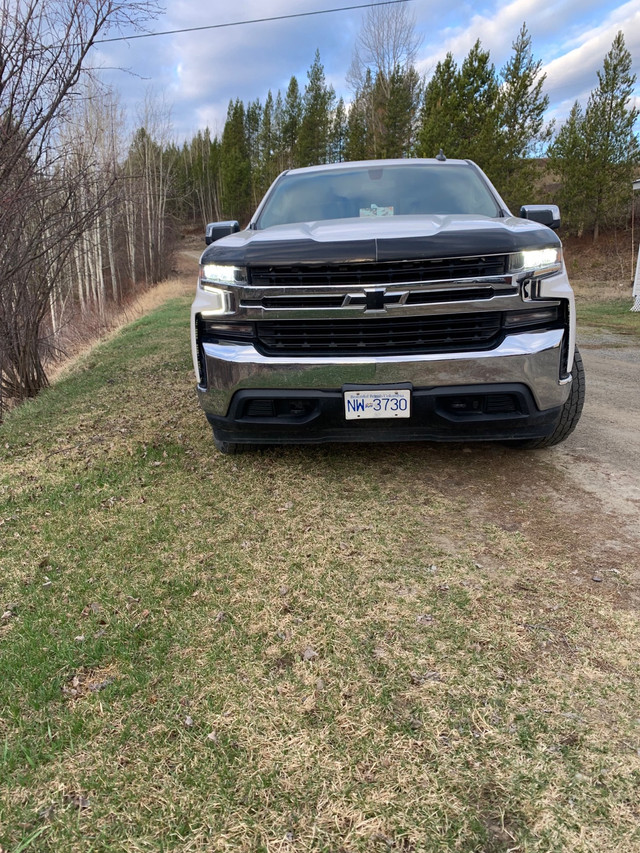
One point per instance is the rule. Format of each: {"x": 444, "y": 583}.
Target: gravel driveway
{"x": 603, "y": 454}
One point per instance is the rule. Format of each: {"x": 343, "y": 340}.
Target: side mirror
{"x": 215, "y": 230}
{"x": 545, "y": 214}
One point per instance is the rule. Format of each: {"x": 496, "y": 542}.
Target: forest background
{"x": 90, "y": 212}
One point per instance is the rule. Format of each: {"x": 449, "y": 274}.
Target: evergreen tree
{"x": 477, "y": 119}
{"x": 597, "y": 169}
{"x": 569, "y": 161}
{"x": 359, "y": 144}
{"x": 314, "y": 139}
{"x": 522, "y": 106}
{"x": 386, "y": 86}
{"x": 253, "y": 123}
{"x": 278, "y": 134}
{"x": 291, "y": 119}
{"x": 398, "y": 105}
{"x": 268, "y": 143}
{"x": 461, "y": 111}
{"x": 439, "y": 110}
{"x": 609, "y": 129}
{"x": 235, "y": 166}
{"x": 339, "y": 130}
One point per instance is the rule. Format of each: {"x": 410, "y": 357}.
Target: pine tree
{"x": 595, "y": 153}
{"x": 278, "y": 147}
{"x": 314, "y": 139}
{"x": 522, "y": 106}
{"x": 609, "y": 129}
{"x": 460, "y": 112}
{"x": 359, "y": 145}
{"x": 439, "y": 110}
{"x": 291, "y": 118}
{"x": 338, "y": 133}
{"x": 268, "y": 142}
{"x": 398, "y": 126}
{"x": 235, "y": 166}
{"x": 387, "y": 89}
{"x": 476, "y": 120}
{"x": 253, "y": 123}
{"x": 568, "y": 160}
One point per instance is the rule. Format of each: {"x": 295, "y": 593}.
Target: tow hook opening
{"x": 267, "y": 408}
{"x": 475, "y": 405}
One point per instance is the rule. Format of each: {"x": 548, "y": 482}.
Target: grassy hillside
{"x": 344, "y": 648}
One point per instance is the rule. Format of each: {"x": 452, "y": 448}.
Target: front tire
{"x": 571, "y": 411}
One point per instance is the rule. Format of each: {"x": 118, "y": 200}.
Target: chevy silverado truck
{"x": 391, "y": 300}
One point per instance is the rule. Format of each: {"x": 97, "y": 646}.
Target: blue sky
{"x": 196, "y": 74}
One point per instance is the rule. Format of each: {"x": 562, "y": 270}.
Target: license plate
{"x": 391, "y": 403}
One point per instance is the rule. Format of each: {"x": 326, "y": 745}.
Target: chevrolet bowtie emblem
{"x": 374, "y": 300}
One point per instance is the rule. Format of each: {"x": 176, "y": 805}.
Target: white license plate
{"x": 392, "y": 403}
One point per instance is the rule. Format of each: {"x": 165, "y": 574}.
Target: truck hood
{"x": 395, "y": 238}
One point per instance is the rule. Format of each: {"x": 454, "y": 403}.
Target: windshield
{"x": 391, "y": 190}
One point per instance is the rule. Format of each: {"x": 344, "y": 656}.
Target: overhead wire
{"x": 252, "y": 21}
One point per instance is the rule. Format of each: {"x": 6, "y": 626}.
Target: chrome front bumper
{"x": 530, "y": 359}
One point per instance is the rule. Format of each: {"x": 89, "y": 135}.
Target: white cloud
{"x": 497, "y": 29}
{"x": 574, "y": 75}
{"x": 199, "y": 72}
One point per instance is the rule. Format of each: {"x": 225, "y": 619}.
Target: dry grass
{"x": 345, "y": 648}
{"x": 76, "y": 347}
{"x": 608, "y": 263}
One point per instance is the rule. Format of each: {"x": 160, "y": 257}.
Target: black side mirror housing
{"x": 545, "y": 214}
{"x": 215, "y": 230}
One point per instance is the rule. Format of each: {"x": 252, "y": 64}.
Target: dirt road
{"x": 603, "y": 454}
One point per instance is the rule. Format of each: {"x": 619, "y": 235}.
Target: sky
{"x": 195, "y": 74}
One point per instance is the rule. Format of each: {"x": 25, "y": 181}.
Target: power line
{"x": 253, "y": 21}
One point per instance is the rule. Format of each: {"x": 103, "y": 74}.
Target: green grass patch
{"x": 614, "y": 315}
{"x": 344, "y": 648}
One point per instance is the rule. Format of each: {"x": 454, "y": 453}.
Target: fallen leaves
{"x": 10, "y": 610}
{"x": 85, "y": 682}
{"x": 422, "y": 677}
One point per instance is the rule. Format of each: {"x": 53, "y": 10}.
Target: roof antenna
{"x": 440, "y": 156}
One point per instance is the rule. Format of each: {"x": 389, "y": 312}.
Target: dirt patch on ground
{"x": 580, "y": 502}
{"x": 576, "y": 512}
{"x": 603, "y": 454}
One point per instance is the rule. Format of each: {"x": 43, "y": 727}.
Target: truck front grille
{"x": 371, "y": 273}
{"x": 453, "y": 333}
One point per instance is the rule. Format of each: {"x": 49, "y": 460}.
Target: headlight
{"x": 538, "y": 261}
{"x": 221, "y": 274}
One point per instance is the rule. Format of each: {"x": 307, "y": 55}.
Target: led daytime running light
{"x": 539, "y": 259}
{"x": 222, "y": 273}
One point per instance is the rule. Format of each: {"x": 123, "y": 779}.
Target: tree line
{"x": 471, "y": 110}
{"x": 88, "y": 212}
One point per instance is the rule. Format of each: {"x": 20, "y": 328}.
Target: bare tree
{"x": 387, "y": 88}
{"x": 149, "y": 174}
{"x": 386, "y": 42}
{"x": 44, "y": 55}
